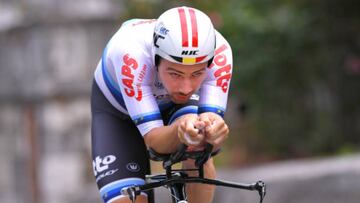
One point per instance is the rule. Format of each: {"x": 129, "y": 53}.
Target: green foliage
{"x": 290, "y": 70}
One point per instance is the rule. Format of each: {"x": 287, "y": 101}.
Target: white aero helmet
{"x": 184, "y": 35}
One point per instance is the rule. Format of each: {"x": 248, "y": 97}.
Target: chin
{"x": 179, "y": 101}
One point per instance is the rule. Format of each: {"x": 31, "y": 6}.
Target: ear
{"x": 157, "y": 61}
{"x": 210, "y": 61}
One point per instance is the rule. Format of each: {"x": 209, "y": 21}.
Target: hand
{"x": 216, "y": 130}
{"x": 190, "y": 130}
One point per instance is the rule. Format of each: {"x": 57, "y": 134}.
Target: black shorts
{"x": 120, "y": 157}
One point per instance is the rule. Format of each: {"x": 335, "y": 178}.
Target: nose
{"x": 185, "y": 87}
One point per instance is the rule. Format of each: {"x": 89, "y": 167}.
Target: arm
{"x": 214, "y": 94}
{"x": 163, "y": 139}
{"x": 185, "y": 130}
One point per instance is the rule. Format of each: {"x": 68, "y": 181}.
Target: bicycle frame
{"x": 176, "y": 180}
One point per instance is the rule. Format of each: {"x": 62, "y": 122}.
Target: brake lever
{"x": 261, "y": 188}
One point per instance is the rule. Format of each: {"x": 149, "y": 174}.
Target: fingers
{"x": 189, "y": 134}
{"x": 192, "y": 141}
{"x": 216, "y": 133}
{"x": 200, "y": 125}
{"x": 206, "y": 120}
{"x": 208, "y": 127}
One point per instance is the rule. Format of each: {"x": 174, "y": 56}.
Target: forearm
{"x": 163, "y": 139}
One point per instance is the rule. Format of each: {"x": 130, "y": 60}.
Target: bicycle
{"x": 176, "y": 179}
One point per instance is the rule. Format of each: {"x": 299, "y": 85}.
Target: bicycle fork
{"x": 178, "y": 194}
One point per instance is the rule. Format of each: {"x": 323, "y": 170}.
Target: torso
{"x": 127, "y": 75}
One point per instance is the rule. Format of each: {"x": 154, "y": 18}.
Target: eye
{"x": 174, "y": 75}
{"x": 197, "y": 74}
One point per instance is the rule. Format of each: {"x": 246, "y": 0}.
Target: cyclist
{"x": 160, "y": 82}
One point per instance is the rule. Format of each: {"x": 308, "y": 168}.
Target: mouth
{"x": 181, "y": 97}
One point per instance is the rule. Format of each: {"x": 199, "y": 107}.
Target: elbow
{"x": 149, "y": 139}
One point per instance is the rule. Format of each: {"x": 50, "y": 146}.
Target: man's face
{"x": 181, "y": 81}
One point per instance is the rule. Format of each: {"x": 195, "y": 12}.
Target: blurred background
{"x": 293, "y": 110}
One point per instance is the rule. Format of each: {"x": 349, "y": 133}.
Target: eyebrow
{"x": 173, "y": 69}
{"x": 200, "y": 70}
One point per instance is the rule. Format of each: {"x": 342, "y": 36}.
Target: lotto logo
{"x": 102, "y": 164}
{"x": 223, "y": 74}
